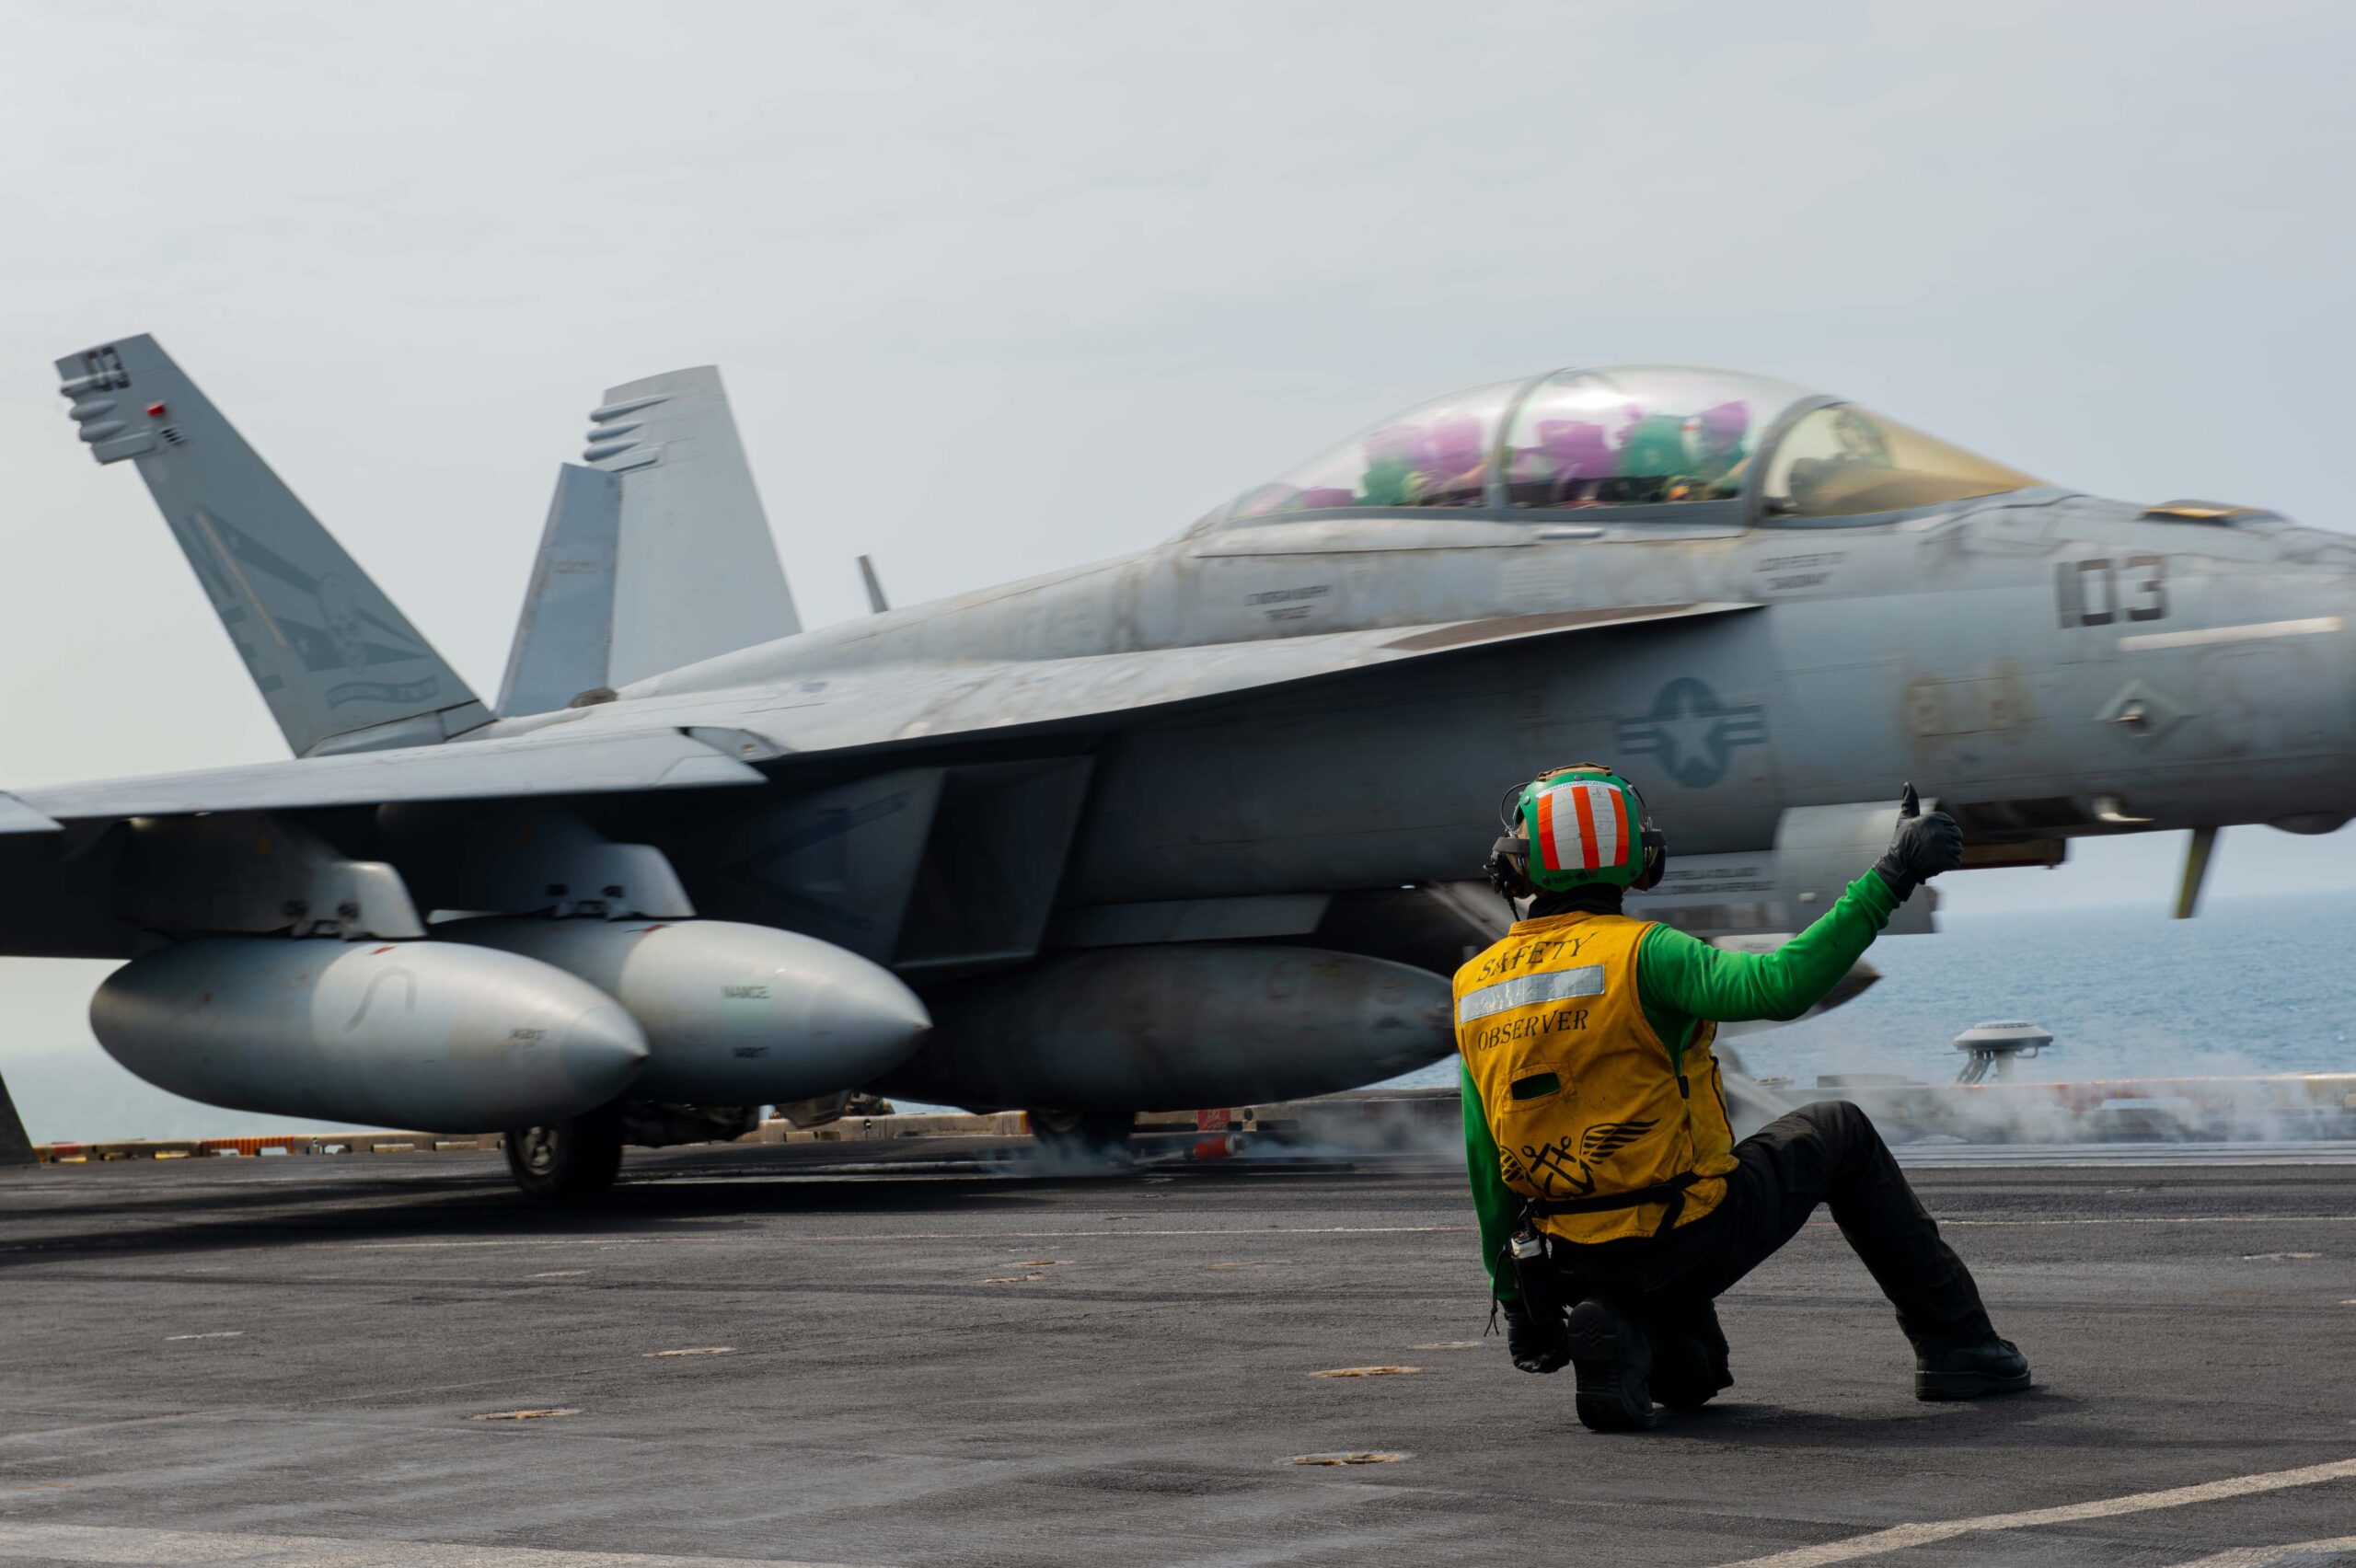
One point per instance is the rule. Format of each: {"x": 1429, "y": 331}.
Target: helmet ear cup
{"x": 1508, "y": 871}
{"x": 1508, "y": 861}
{"x": 1509, "y": 866}
{"x": 1655, "y": 861}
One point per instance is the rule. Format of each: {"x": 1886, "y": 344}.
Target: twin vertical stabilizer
{"x": 663, "y": 535}
{"x": 564, "y": 639}
{"x": 656, "y": 554}
{"x": 341, "y": 669}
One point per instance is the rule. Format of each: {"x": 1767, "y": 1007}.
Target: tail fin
{"x": 563, "y": 638}
{"x": 656, "y": 556}
{"x": 695, "y": 572}
{"x": 341, "y": 669}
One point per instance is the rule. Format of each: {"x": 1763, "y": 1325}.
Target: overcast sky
{"x": 1000, "y": 288}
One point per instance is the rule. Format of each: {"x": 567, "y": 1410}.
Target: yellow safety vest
{"x": 1595, "y": 1123}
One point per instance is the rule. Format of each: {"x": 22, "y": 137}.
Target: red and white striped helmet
{"x": 1584, "y": 825}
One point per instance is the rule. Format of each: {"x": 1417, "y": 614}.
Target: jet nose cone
{"x": 602, "y": 1050}
{"x": 872, "y": 1022}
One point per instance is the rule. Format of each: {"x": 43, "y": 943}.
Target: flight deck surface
{"x": 298, "y": 1360}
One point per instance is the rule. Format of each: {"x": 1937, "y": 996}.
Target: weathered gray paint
{"x": 1327, "y": 705}
{"x": 566, "y": 764}
{"x": 696, "y": 571}
{"x": 563, "y": 637}
{"x": 17, "y": 817}
{"x": 734, "y": 1014}
{"x": 1173, "y": 1028}
{"x": 431, "y": 1036}
{"x": 331, "y": 654}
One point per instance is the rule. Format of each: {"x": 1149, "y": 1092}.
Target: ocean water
{"x": 2250, "y": 985}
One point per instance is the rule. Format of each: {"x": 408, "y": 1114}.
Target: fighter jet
{"x": 1186, "y": 828}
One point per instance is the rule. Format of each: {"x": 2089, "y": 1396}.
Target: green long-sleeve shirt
{"x": 1680, "y": 981}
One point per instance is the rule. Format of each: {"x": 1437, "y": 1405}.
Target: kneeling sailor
{"x": 1615, "y": 1205}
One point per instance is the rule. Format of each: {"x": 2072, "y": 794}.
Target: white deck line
{"x": 1904, "y": 1538}
{"x": 2259, "y": 1556}
{"x": 171, "y": 1549}
{"x": 1986, "y": 1156}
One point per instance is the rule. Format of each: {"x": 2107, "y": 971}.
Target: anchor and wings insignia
{"x": 1605, "y": 1139}
{"x": 1555, "y": 1167}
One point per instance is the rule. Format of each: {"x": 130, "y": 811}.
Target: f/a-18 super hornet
{"x": 1185, "y": 828}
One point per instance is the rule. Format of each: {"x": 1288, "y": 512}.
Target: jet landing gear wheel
{"x": 1085, "y": 1137}
{"x": 571, "y": 1161}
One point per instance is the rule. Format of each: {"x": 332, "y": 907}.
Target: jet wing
{"x": 17, "y": 817}
{"x": 887, "y": 706}
{"x": 615, "y": 748}
{"x": 529, "y": 765}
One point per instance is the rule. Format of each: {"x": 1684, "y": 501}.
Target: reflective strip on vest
{"x": 1525, "y": 990}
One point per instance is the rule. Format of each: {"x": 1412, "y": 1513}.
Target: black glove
{"x": 1921, "y": 849}
{"x": 1535, "y": 1346}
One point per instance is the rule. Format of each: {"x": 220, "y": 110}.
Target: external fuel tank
{"x": 1176, "y": 1026}
{"x": 734, "y": 1014}
{"x": 428, "y": 1035}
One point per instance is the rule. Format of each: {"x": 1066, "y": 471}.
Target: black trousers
{"x": 1826, "y": 1153}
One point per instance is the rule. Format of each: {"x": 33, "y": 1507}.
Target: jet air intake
{"x": 734, "y": 1014}
{"x": 425, "y": 1036}
{"x": 1176, "y": 1027}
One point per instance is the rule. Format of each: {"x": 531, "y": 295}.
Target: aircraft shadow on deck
{"x": 159, "y": 1222}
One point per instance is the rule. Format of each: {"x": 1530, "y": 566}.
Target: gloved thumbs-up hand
{"x": 1921, "y": 849}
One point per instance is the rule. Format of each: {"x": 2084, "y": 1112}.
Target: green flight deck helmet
{"x": 1574, "y": 827}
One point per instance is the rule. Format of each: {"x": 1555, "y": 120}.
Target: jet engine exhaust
{"x": 1176, "y": 1027}
{"x": 440, "y": 1038}
{"x": 734, "y": 1014}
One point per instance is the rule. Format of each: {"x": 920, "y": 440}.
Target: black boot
{"x": 1690, "y": 1359}
{"x": 1613, "y": 1359}
{"x": 1992, "y": 1366}
{"x": 1535, "y": 1345}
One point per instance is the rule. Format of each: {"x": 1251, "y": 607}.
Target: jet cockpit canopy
{"x": 1634, "y": 436}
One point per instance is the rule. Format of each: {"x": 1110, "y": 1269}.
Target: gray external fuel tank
{"x": 732, "y": 1014}
{"x": 428, "y": 1035}
{"x": 1175, "y": 1027}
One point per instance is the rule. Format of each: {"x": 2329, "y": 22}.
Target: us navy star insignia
{"x": 1692, "y": 732}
